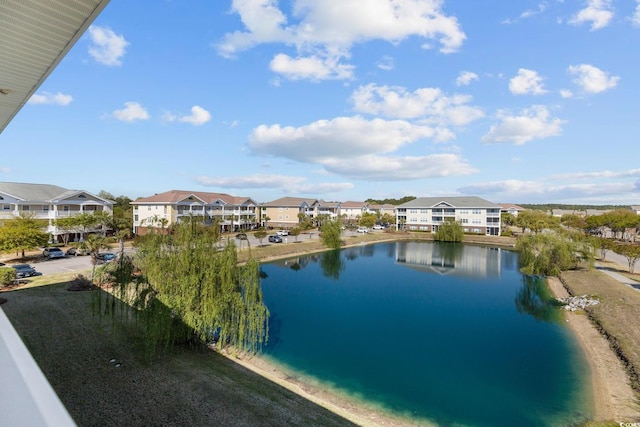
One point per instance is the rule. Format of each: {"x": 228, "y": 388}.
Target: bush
{"x": 7, "y": 275}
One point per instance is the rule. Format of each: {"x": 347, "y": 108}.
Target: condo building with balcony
{"x": 474, "y": 214}
{"x": 160, "y": 211}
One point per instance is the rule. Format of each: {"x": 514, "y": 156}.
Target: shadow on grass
{"x": 99, "y": 370}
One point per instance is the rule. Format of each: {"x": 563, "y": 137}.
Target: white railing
{"x": 27, "y": 397}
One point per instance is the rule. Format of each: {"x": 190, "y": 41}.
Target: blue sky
{"x": 513, "y": 101}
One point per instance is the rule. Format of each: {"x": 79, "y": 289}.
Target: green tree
{"x": 22, "y": 233}
{"x": 94, "y": 243}
{"x": 206, "y": 291}
{"x": 631, "y": 252}
{"x": 260, "y": 234}
{"x": 330, "y": 231}
{"x": 549, "y": 254}
{"x": 535, "y": 220}
{"x": 295, "y": 232}
{"x": 449, "y": 231}
{"x": 368, "y": 220}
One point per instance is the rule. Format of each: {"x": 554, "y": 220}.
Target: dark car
{"x": 52, "y": 253}
{"x": 24, "y": 270}
{"x": 241, "y": 236}
{"x": 275, "y": 239}
{"x": 105, "y": 257}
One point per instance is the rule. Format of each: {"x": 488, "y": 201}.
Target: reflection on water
{"x": 534, "y": 298}
{"x": 456, "y": 338}
{"x": 450, "y": 258}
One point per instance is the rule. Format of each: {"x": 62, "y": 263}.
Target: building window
{"x": 476, "y": 211}
{"x": 279, "y": 209}
{"x": 464, "y": 212}
{"x": 413, "y": 211}
{"x": 424, "y": 211}
{"x": 280, "y": 217}
{"x": 65, "y": 208}
{"x": 286, "y": 209}
{"x": 45, "y": 208}
{"x": 6, "y": 207}
{"x": 464, "y": 220}
{"x": 424, "y": 219}
{"x": 476, "y": 221}
{"x": 149, "y": 208}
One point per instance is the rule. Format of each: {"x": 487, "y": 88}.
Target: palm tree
{"x": 94, "y": 243}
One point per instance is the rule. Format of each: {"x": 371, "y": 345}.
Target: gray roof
{"x": 290, "y": 202}
{"x": 40, "y": 192}
{"x": 454, "y": 202}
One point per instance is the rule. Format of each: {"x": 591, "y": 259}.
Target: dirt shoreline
{"x": 614, "y": 399}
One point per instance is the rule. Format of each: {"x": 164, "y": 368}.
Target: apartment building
{"x": 283, "y": 212}
{"x": 165, "y": 209}
{"x": 475, "y": 214}
{"x": 49, "y": 202}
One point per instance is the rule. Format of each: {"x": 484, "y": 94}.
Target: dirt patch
{"x": 614, "y": 399}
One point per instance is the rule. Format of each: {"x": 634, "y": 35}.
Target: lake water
{"x": 448, "y": 334}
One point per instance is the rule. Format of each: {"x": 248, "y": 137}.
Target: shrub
{"x": 7, "y": 275}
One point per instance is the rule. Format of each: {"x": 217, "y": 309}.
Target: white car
{"x": 52, "y": 253}
{"x": 378, "y": 227}
{"x": 282, "y": 233}
{"x": 362, "y": 230}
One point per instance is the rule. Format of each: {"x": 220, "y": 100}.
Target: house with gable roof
{"x": 165, "y": 209}
{"x": 475, "y": 214}
{"x": 283, "y": 212}
{"x": 49, "y": 202}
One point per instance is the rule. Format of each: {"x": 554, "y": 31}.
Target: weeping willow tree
{"x": 449, "y": 231}
{"x": 188, "y": 288}
{"x": 549, "y": 254}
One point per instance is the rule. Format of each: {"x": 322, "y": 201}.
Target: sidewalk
{"x": 617, "y": 276}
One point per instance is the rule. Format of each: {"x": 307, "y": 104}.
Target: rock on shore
{"x": 578, "y": 302}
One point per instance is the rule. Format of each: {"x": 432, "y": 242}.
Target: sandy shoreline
{"x": 613, "y": 396}
{"x": 356, "y": 412}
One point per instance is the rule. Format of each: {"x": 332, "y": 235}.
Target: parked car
{"x": 105, "y": 257}
{"x": 77, "y": 251}
{"x": 282, "y": 232}
{"x": 362, "y": 230}
{"x": 275, "y": 239}
{"x": 241, "y": 236}
{"x": 52, "y": 253}
{"x": 378, "y": 227}
{"x": 24, "y": 270}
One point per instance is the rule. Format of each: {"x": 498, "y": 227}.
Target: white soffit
{"x": 34, "y": 37}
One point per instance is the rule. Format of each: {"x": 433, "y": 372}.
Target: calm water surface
{"x": 448, "y": 333}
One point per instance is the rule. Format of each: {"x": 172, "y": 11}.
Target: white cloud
{"x": 598, "y": 12}
{"x": 635, "y": 18}
{"x": 46, "y": 98}
{"x": 107, "y": 47}
{"x": 386, "y": 63}
{"x": 198, "y": 116}
{"x": 323, "y": 31}
{"x": 465, "y": 78}
{"x": 251, "y": 181}
{"x": 5, "y": 170}
{"x": 289, "y": 184}
{"x": 340, "y": 137}
{"x": 566, "y": 93}
{"x": 311, "y": 67}
{"x": 528, "y": 13}
{"x": 132, "y": 112}
{"x": 388, "y": 168}
{"x": 601, "y": 174}
{"x": 527, "y": 82}
{"x": 427, "y": 104}
{"x": 592, "y": 79}
{"x": 543, "y": 191}
{"x": 532, "y": 123}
